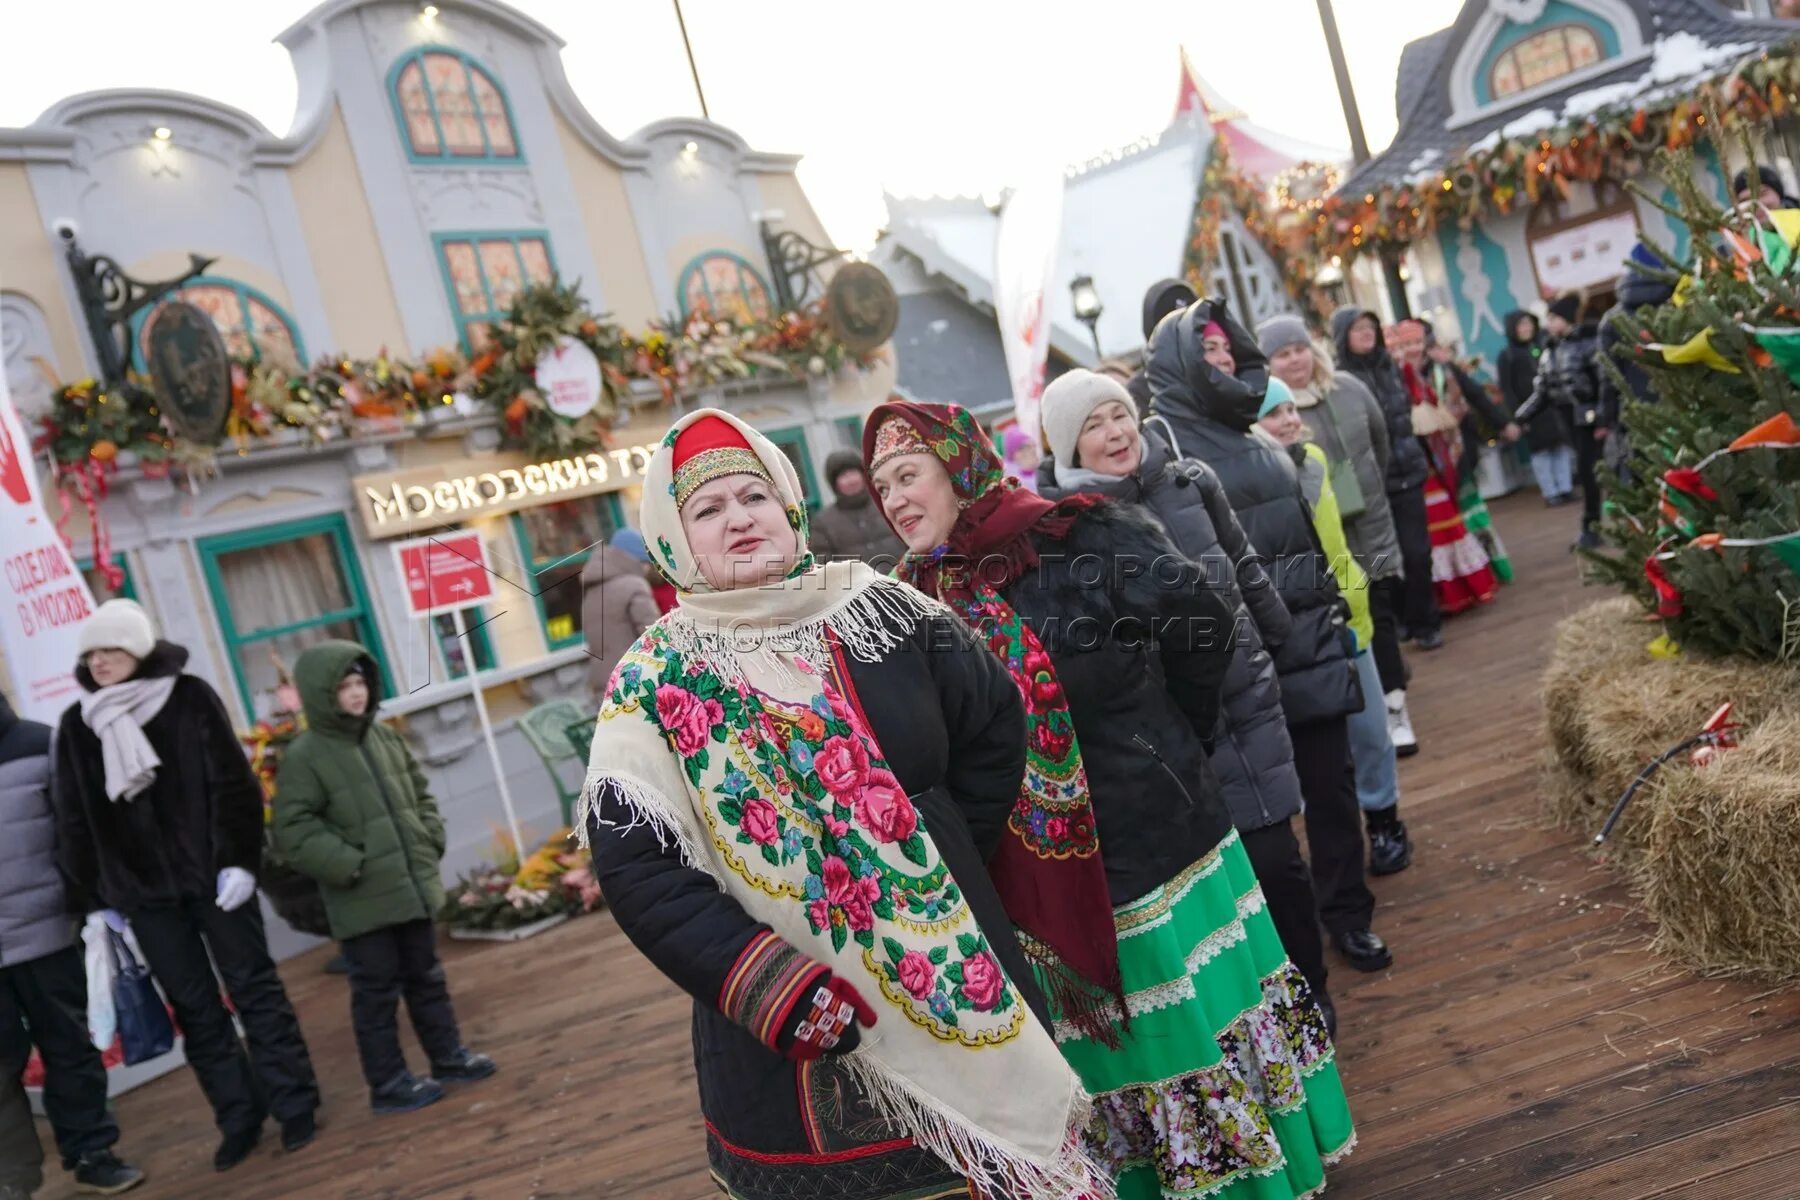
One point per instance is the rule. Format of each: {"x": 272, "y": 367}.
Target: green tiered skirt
{"x": 1225, "y": 1083}
{"x": 1479, "y": 522}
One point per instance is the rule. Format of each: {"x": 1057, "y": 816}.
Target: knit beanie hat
{"x": 1278, "y": 333}
{"x": 1068, "y": 401}
{"x": 118, "y": 625}
{"x": 1567, "y": 306}
{"x": 1278, "y": 394}
{"x": 631, "y": 542}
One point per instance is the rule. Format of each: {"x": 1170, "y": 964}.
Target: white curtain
{"x": 280, "y": 584}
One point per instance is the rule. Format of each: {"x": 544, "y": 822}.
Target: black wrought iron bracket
{"x": 792, "y": 260}
{"x": 110, "y": 299}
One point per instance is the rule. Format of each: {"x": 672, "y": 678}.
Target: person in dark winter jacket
{"x": 43, "y": 982}
{"x": 1647, "y": 283}
{"x": 1162, "y": 298}
{"x": 353, "y": 810}
{"x": 856, "y": 748}
{"x": 1120, "y": 650}
{"x": 1207, "y": 379}
{"x": 1569, "y": 379}
{"x": 1251, "y": 754}
{"x": 160, "y": 820}
{"x": 851, "y": 526}
{"x": 1362, "y": 351}
{"x": 1547, "y": 432}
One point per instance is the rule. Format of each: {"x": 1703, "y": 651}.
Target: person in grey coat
{"x": 1251, "y": 753}
{"x": 616, "y": 603}
{"x": 1353, "y": 429}
{"x": 43, "y": 983}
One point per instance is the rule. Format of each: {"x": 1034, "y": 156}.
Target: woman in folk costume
{"x": 795, "y": 778}
{"x": 1209, "y": 1062}
{"x": 1460, "y": 569}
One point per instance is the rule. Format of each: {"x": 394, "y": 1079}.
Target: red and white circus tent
{"x": 1258, "y": 152}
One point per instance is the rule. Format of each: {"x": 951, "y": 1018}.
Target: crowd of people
{"x": 1013, "y": 805}
{"x": 1022, "y": 808}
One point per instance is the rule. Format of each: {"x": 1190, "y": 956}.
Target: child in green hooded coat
{"x": 353, "y": 810}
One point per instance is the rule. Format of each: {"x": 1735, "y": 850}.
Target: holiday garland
{"x": 1616, "y": 142}
{"x": 1277, "y": 230}
{"x": 89, "y": 427}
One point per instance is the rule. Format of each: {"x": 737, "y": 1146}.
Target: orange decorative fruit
{"x": 515, "y": 412}
{"x": 103, "y": 451}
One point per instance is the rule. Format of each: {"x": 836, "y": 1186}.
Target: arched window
{"x": 450, "y": 108}
{"x": 721, "y": 283}
{"x": 252, "y": 325}
{"x": 1557, "y": 51}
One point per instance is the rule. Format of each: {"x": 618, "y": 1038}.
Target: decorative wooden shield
{"x": 190, "y": 368}
{"x": 861, "y": 307}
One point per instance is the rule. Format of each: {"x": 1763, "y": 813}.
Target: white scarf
{"x": 116, "y": 714}
{"x": 987, "y": 1091}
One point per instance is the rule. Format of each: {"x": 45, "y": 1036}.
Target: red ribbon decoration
{"x": 1668, "y": 598}
{"x": 1689, "y": 482}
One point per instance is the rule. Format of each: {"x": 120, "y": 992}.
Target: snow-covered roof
{"x": 1684, "y": 41}
{"x": 1125, "y": 224}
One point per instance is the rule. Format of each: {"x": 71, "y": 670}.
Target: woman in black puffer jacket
{"x": 1207, "y": 378}
{"x": 1251, "y": 754}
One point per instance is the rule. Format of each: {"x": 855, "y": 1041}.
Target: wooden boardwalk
{"x": 1525, "y": 1045}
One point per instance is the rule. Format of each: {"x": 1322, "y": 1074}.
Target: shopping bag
{"x": 103, "y": 1023}
{"x": 145, "y": 1031}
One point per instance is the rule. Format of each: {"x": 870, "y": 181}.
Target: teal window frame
{"x": 538, "y": 566}
{"x": 743, "y": 264}
{"x": 795, "y": 435}
{"x": 361, "y": 612}
{"x": 444, "y": 157}
{"x": 1556, "y": 14}
{"x": 245, "y": 294}
{"x": 481, "y": 648}
{"x": 491, "y": 315}
{"x": 127, "y": 590}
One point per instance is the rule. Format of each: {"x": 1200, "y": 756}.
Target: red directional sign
{"x": 443, "y": 572}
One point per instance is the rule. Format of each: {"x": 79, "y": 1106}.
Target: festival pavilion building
{"x": 438, "y": 163}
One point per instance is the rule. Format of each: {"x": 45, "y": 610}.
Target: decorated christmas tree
{"x": 1705, "y": 522}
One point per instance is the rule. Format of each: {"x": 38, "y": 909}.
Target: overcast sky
{"x": 928, "y": 96}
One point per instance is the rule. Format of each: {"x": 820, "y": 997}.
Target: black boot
{"x": 236, "y": 1148}
{"x": 1363, "y": 949}
{"x": 1390, "y": 850}
{"x": 298, "y": 1131}
{"x": 404, "y": 1093}
{"x": 102, "y": 1174}
{"x": 466, "y": 1067}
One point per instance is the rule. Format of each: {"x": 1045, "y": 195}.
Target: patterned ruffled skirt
{"x": 1225, "y": 1082}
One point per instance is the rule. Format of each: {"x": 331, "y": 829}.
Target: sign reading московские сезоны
{"x": 412, "y": 501}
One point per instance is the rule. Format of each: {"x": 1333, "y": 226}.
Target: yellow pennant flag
{"x": 1699, "y": 349}
{"x": 1787, "y": 224}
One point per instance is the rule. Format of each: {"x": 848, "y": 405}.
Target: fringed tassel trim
{"x": 998, "y": 1168}
{"x": 647, "y": 806}
{"x": 868, "y": 625}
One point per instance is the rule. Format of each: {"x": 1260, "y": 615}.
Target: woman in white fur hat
{"x": 160, "y": 823}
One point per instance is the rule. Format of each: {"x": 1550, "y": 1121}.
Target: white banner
{"x": 1024, "y": 257}
{"x": 43, "y": 598}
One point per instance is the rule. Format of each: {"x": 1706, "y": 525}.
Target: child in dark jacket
{"x": 353, "y": 811}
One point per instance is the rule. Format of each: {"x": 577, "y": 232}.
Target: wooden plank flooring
{"x": 1525, "y": 1046}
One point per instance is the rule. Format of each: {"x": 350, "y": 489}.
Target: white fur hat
{"x": 118, "y": 625}
{"x": 1067, "y": 401}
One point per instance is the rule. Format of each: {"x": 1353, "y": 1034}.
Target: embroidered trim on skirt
{"x": 1480, "y": 524}
{"x": 1225, "y": 1084}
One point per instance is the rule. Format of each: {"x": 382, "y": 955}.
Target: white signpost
{"x": 448, "y": 572}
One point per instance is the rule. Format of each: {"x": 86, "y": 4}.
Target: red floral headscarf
{"x": 1048, "y": 871}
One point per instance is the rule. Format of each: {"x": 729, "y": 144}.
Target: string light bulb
{"x": 429, "y": 12}
{"x": 162, "y": 133}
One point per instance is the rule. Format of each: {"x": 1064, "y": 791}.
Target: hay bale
{"x": 1610, "y": 708}
{"x": 1720, "y": 869}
